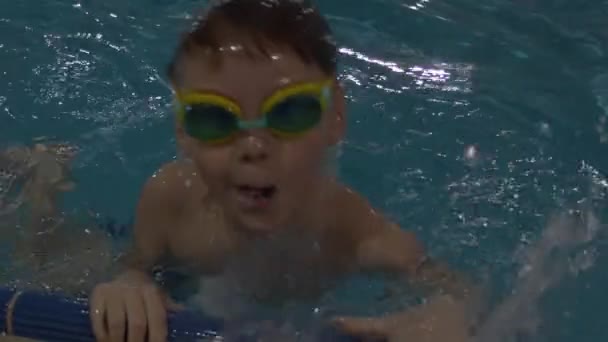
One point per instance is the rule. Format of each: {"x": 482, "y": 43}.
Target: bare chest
{"x": 281, "y": 269}
{"x": 287, "y": 266}
{"x": 200, "y": 243}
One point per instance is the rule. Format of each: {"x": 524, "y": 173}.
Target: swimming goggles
{"x": 289, "y": 112}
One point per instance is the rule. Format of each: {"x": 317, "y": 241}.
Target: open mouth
{"x": 256, "y": 196}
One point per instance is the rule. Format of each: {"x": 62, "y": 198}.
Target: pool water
{"x": 469, "y": 121}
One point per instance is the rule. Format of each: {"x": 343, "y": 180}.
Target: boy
{"x": 257, "y": 107}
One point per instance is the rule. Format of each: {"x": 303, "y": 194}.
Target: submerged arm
{"x": 398, "y": 252}
{"x": 450, "y": 297}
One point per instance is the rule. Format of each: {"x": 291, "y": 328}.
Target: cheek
{"x": 305, "y": 159}
{"x": 212, "y": 164}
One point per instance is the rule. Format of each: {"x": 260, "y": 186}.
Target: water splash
{"x": 563, "y": 248}
{"x": 599, "y": 87}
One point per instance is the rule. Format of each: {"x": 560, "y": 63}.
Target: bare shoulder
{"x": 172, "y": 184}
{"x": 378, "y": 239}
{"x": 354, "y": 213}
{"x": 160, "y": 206}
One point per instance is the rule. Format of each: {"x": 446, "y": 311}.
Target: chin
{"x": 258, "y": 227}
{"x": 262, "y": 223}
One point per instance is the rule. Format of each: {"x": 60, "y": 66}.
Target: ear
{"x": 337, "y": 126}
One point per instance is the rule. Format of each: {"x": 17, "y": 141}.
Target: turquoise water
{"x": 469, "y": 121}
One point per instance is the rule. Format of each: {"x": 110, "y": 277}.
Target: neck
{"x": 315, "y": 215}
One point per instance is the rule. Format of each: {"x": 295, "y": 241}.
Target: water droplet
{"x": 471, "y": 155}
{"x": 470, "y": 152}
{"x": 545, "y": 129}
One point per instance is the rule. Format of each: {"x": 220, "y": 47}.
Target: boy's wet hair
{"x": 294, "y": 24}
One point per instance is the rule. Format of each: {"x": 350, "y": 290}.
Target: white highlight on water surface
{"x": 391, "y": 65}
{"x": 441, "y": 76}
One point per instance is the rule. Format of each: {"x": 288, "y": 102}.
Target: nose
{"x": 253, "y": 149}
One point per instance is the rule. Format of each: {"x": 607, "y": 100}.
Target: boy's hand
{"x": 129, "y": 311}
{"x": 441, "y": 319}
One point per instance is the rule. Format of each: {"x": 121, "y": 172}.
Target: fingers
{"x": 156, "y": 314}
{"x": 366, "y": 328}
{"x": 116, "y": 319}
{"x": 135, "y": 312}
{"x": 135, "y": 317}
{"x": 97, "y": 314}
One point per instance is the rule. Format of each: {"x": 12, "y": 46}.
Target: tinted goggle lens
{"x": 294, "y": 115}
{"x": 209, "y": 122}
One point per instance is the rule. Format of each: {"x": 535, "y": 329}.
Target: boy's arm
{"x": 393, "y": 250}
{"x": 156, "y": 212}
{"x": 132, "y": 304}
{"x": 383, "y": 246}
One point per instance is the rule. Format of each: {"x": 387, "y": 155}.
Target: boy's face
{"x": 263, "y": 181}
